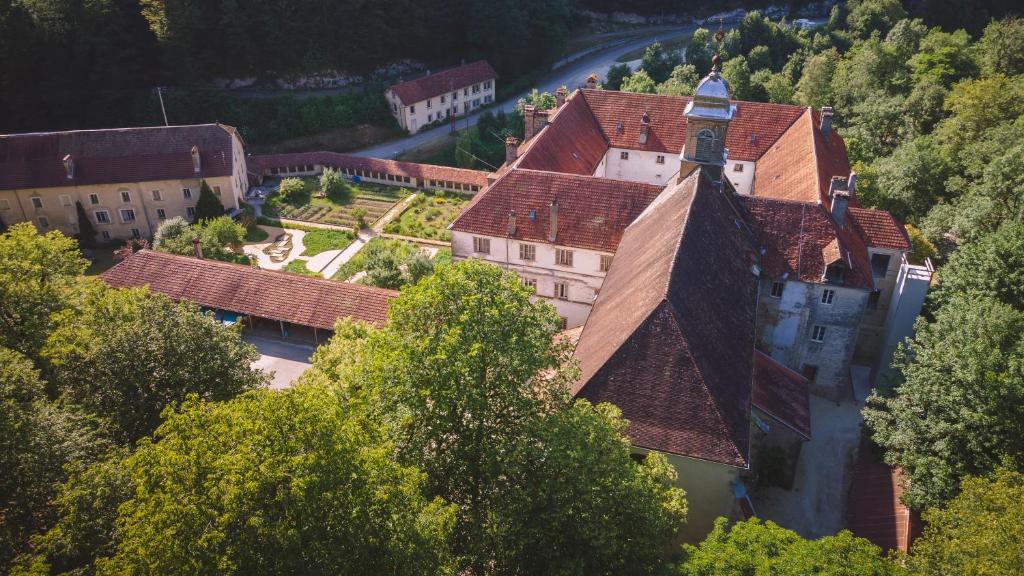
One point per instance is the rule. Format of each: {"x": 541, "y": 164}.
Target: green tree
{"x": 220, "y": 238}
{"x": 640, "y": 81}
{"x": 980, "y": 532}
{"x": 905, "y": 37}
{"x": 37, "y": 273}
{"x": 682, "y": 82}
{"x": 273, "y": 483}
{"x": 699, "y": 52}
{"x": 659, "y": 62}
{"x": 539, "y": 100}
{"x": 291, "y": 189}
{"x": 37, "y": 440}
{"x": 128, "y": 354}
{"x": 876, "y": 127}
{"x": 758, "y": 547}
{"x": 1001, "y": 48}
{"x": 910, "y": 181}
{"x": 992, "y": 266}
{"x": 946, "y": 57}
{"x": 815, "y": 86}
{"x": 976, "y": 107}
{"x": 867, "y": 16}
{"x": 86, "y": 231}
{"x": 737, "y": 73}
{"x": 995, "y": 198}
{"x": 616, "y": 75}
{"x": 208, "y": 206}
{"x": 778, "y": 89}
{"x": 470, "y": 383}
{"x": 383, "y": 269}
{"x": 333, "y": 185}
{"x": 960, "y": 406}
{"x": 923, "y": 107}
{"x": 759, "y": 58}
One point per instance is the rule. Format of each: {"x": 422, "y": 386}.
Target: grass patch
{"x": 254, "y": 233}
{"x": 428, "y": 217}
{"x": 358, "y": 204}
{"x": 298, "y": 267}
{"x": 391, "y": 263}
{"x": 103, "y": 260}
{"x": 322, "y": 240}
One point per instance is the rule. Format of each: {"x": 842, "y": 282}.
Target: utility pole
{"x": 160, "y": 95}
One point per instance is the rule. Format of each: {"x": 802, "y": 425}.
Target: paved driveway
{"x": 287, "y": 360}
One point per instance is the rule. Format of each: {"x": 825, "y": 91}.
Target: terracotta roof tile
{"x": 571, "y": 143}
{"x": 879, "y": 229}
{"x": 670, "y": 340}
{"x": 300, "y": 300}
{"x": 782, "y": 394}
{"x": 874, "y": 509}
{"x": 263, "y": 162}
{"x": 754, "y": 128}
{"x": 449, "y": 80}
{"x": 796, "y": 237}
{"x": 592, "y": 212}
{"x": 114, "y": 156}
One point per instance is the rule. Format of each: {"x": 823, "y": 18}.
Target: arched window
{"x": 705, "y": 144}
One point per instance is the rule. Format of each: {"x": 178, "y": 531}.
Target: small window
{"x": 156, "y": 195}
{"x": 527, "y": 252}
{"x": 481, "y": 245}
{"x": 828, "y": 296}
{"x": 126, "y": 197}
{"x": 737, "y": 167}
{"x": 5, "y": 204}
{"x": 186, "y": 193}
{"x": 487, "y": 85}
{"x": 659, "y": 159}
{"x": 127, "y": 215}
{"x": 563, "y": 257}
{"x": 105, "y": 235}
{"x": 190, "y": 211}
{"x": 412, "y": 109}
{"x": 530, "y": 283}
{"x": 428, "y": 104}
{"x": 94, "y": 199}
{"x": 136, "y": 233}
{"x": 65, "y": 200}
{"x": 161, "y": 214}
{"x": 561, "y": 290}
{"x": 442, "y": 99}
{"x": 37, "y": 202}
{"x": 873, "y": 299}
{"x": 810, "y": 372}
{"x": 777, "y": 289}
{"x": 102, "y": 217}
{"x": 606, "y": 262}
{"x": 216, "y": 189}
{"x": 818, "y": 334}
{"x": 623, "y": 155}
{"x": 430, "y": 117}
{"x": 879, "y": 265}
{"x": 44, "y": 222}
{"x": 565, "y": 322}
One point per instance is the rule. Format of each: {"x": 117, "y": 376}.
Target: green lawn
{"x": 254, "y": 233}
{"x": 428, "y": 217}
{"x": 322, "y": 240}
{"x": 360, "y": 204}
{"x": 298, "y": 267}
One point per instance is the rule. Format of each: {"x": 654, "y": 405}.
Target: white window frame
{"x": 186, "y": 193}
{"x": 121, "y": 213}
{"x": 106, "y": 215}
{"x": 605, "y": 263}
{"x": 818, "y": 333}
{"x": 105, "y": 234}
{"x": 481, "y": 245}
{"x": 530, "y": 283}
{"x": 828, "y": 296}
{"x": 65, "y": 199}
{"x": 561, "y": 290}
{"x": 659, "y": 159}
{"x": 94, "y": 198}
{"x": 126, "y": 196}
{"x": 563, "y": 257}
{"x": 136, "y": 233}
{"x": 161, "y": 214}
{"x": 157, "y": 196}
{"x": 527, "y": 252}
{"x": 190, "y": 212}
{"x": 37, "y": 202}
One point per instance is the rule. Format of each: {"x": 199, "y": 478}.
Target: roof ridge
{"x": 696, "y": 174}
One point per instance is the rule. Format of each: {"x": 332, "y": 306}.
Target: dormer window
{"x": 835, "y": 273}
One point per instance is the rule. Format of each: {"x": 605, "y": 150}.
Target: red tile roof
{"x": 874, "y": 510}
{"x": 300, "y": 300}
{"x": 449, "y": 80}
{"x": 795, "y": 237}
{"x": 879, "y": 229}
{"x": 592, "y": 212}
{"x": 670, "y": 339}
{"x": 261, "y": 163}
{"x": 572, "y": 143}
{"x": 113, "y": 156}
{"x": 754, "y": 128}
{"x": 782, "y": 394}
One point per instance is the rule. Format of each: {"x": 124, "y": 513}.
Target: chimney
{"x": 529, "y": 114}
{"x": 512, "y": 223}
{"x": 553, "y": 222}
{"x": 511, "y": 149}
{"x": 826, "y": 120}
{"x": 560, "y": 95}
{"x": 838, "y": 183}
{"x": 69, "y": 166}
{"x": 196, "y": 165}
{"x": 592, "y": 82}
{"x": 645, "y": 126}
{"x": 839, "y": 201}
{"x": 198, "y": 249}
{"x": 851, "y": 184}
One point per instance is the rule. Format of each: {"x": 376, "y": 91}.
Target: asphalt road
{"x": 572, "y": 75}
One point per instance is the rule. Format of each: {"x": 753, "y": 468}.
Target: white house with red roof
{"x": 437, "y": 97}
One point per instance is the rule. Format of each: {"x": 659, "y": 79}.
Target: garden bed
{"x": 428, "y": 216}
{"x": 361, "y": 204}
{"x": 390, "y": 263}
{"x": 323, "y": 239}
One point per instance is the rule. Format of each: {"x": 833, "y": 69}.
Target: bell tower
{"x": 707, "y": 122}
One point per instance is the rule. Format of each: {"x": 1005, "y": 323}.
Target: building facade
{"x": 127, "y": 180}
{"x": 443, "y": 96}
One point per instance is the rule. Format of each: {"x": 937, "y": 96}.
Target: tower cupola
{"x": 707, "y": 121}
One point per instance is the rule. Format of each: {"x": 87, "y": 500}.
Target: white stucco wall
{"x": 415, "y": 116}
{"x": 640, "y": 166}
{"x": 742, "y": 180}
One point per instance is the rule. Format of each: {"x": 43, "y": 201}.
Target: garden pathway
{"x": 364, "y": 236}
{"x": 256, "y": 248}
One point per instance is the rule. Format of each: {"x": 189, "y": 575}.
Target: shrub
{"x": 291, "y": 189}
